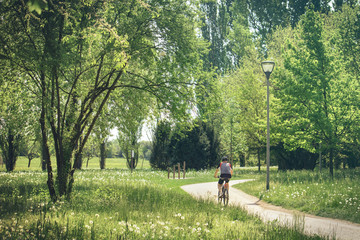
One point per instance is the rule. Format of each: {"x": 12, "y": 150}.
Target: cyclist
{"x": 225, "y": 173}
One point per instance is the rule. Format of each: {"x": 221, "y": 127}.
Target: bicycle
{"x": 224, "y": 196}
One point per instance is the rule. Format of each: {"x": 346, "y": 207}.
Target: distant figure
{"x": 225, "y": 173}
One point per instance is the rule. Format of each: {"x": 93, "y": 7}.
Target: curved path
{"x": 331, "y": 228}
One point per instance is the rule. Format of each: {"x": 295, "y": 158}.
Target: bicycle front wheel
{"x": 226, "y": 197}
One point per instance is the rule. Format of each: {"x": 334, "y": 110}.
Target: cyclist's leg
{"x": 227, "y": 183}
{"x": 220, "y": 183}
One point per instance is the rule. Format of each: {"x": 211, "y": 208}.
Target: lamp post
{"x": 267, "y": 67}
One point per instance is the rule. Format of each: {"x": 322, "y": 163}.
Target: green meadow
{"x": 93, "y": 163}
{"x": 312, "y": 192}
{"x": 117, "y": 204}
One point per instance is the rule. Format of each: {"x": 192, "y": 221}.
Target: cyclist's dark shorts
{"x": 224, "y": 177}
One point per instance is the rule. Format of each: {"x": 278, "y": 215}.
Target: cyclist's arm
{"x": 217, "y": 170}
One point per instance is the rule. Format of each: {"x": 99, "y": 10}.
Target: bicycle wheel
{"x": 226, "y": 196}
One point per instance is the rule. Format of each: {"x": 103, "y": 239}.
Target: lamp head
{"x": 267, "y": 67}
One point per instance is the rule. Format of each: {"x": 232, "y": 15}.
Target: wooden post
{"x": 174, "y": 173}
{"x": 184, "y": 170}
{"x": 168, "y": 172}
{"x": 178, "y": 170}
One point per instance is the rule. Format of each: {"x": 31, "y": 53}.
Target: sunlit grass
{"x": 312, "y": 192}
{"x": 117, "y": 204}
{"x": 93, "y": 163}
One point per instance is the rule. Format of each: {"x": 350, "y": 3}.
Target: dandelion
{"x": 91, "y": 222}
{"x": 182, "y": 218}
{"x": 97, "y": 215}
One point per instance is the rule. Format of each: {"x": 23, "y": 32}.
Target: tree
{"x": 130, "y": 108}
{"x": 102, "y": 132}
{"x": 74, "y": 76}
{"x": 90, "y": 148}
{"x": 216, "y": 18}
{"x": 316, "y": 97}
{"x": 13, "y": 118}
{"x": 159, "y": 155}
{"x": 195, "y": 143}
{"x": 345, "y": 25}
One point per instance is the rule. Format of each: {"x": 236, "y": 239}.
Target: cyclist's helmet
{"x": 225, "y": 158}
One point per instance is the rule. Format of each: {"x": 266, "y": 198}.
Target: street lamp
{"x": 267, "y": 67}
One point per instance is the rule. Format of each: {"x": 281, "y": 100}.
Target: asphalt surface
{"x": 332, "y": 228}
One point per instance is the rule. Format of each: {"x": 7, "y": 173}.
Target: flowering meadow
{"x": 312, "y": 192}
{"x": 117, "y": 204}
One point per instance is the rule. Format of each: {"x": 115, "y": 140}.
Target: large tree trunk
{"x": 102, "y": 155}
{"x": 331, "y": 165}
{"x": 44, "y": 146}
{"x": 78, "y": 163}
{"x": 258, "y": 155}
{"x": 63, "y": 168}
{"x": 11, "y": 154}
{"x": 44, "y": 153}
{"x": 132, "y": 162}
{"x": 78, "y": 160}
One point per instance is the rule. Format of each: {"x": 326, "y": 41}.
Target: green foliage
{"x": 293, "y": 160}
{"x": 316, "y": 98}
{"x": 146, "y": 47}
{"x": 243, "y": 108}
{"x": 15, "y": 120}
{"x": 197, "y": 145}
{"x": 159, "y": 154}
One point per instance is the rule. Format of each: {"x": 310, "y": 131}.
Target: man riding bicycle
{"x": 225, "y": 173}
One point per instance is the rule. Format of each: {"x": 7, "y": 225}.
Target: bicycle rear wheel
{"x": 226, "y": 196}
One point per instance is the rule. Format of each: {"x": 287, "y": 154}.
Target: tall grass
{"x": 115, "y": 204}
{"x": 110, "y": 163}
{"x": 313, "y": 192}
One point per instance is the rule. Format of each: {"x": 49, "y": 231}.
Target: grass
{"x": 110, "y": 163}
{"x": 311, "y": 192}
{"x": 115, "y": 204}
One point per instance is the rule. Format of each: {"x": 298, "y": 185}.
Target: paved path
{"x": 340, "y": 229}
